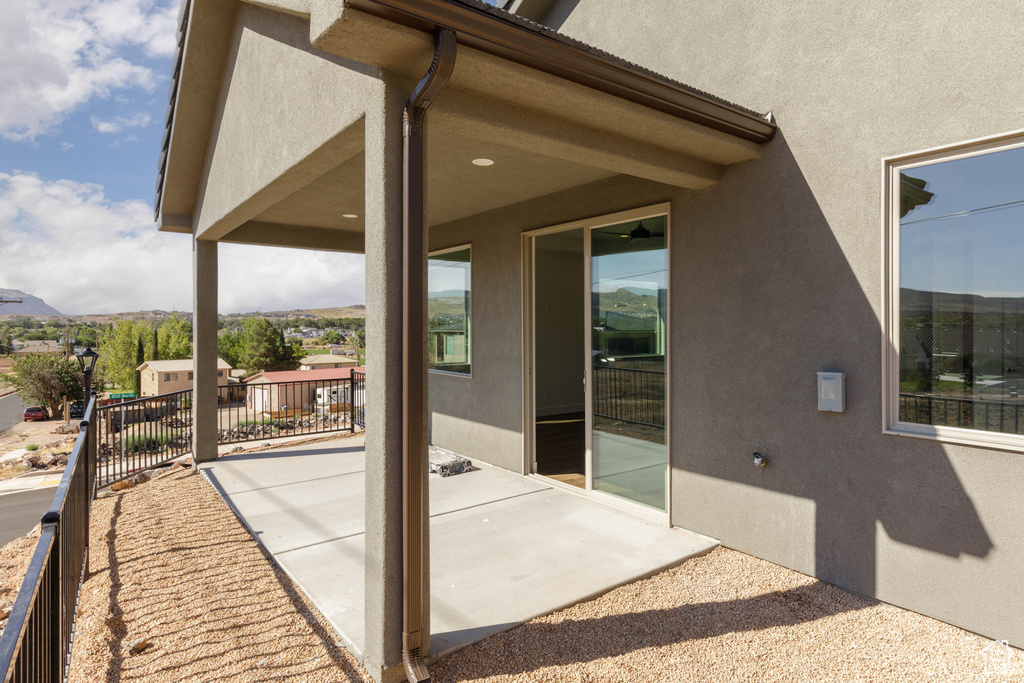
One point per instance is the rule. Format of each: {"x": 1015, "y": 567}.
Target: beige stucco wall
{"x": 783, "y": 259}
{"x": 777, "y": 274}
{"x": 153, "y": 382}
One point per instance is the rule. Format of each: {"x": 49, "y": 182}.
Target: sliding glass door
{"x": 598, "y": 369}
{"x": 628, "y": 334}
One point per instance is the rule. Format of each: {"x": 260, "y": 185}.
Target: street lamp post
{"x": 87, "y": 361}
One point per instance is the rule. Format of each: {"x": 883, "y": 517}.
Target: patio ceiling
{"x": 545, "y": 133}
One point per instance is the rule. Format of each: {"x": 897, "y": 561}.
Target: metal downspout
{"x": 414, "y": 446}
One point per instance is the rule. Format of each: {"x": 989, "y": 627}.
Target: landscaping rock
{"x": 137, "y": 646}
{"x": 5, "y": 611}
{"x": 237, "y": 449}
{"x": 121, "y": 485}
{"x": 142, "y": 477}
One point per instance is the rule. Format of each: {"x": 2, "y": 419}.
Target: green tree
{"x": 360, "y": 342}
{"x": 140, "y": 358}
{"x": 229, "y": 348}
{"x": 175, "y": 338}
{"x": 119, "y": 351}
{"x": 264, "y": 348}
{"x": 45, "y": 379}
{"x": 6, "y": 343}
{"x": 332, "y": 337}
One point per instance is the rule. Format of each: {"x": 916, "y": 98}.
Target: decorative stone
{"x": 137, "y": 646}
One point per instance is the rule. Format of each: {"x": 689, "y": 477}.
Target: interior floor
{"x": 561, "y": 448}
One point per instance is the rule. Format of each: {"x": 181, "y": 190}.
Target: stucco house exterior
{"x": 167, "y": 376}
{"x": 326, "y": 361}
{"x": 657, "y": 272}
{"x": 300, "y": 392}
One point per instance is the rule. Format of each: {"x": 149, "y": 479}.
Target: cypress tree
{"x": 140, "y": 358}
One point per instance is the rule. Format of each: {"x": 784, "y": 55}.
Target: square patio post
{"x": 382, "y": 650}
{"x": 204, "y": 350}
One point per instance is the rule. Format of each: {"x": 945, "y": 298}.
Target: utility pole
{"x": 67, "y": 356}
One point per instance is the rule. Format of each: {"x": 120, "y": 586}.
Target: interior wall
{"x": 559, "y": 326}
{"x": 777, "y": 274}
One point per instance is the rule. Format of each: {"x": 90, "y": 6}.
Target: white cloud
{"x": 58, "y": 54}
{"x": 82, "y": 253}
{"x": 119, "y": 123}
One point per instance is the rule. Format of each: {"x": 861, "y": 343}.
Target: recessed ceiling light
{"x": 483, "y": 162}
{"x": 349, "y": 215}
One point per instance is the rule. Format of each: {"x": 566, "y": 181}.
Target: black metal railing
{"x": 359, "y": 399}
{"x": 36, "y": 643}
{"x": 143, "y": 433}
{"x": 630, "y": 395}
{"x": 277, "y": 409}
{"x": 992, "y": 416}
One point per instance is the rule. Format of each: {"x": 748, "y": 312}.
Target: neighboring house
{"x": 24, "y": 348}
{"x": 167, "y": 376}
{"x": 668, "y": 270}
{"x": 300, "y": 391}
{"x": 325, "y": 361}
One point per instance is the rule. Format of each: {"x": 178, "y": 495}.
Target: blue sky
{"x": 966, "y": 239}
{"x": 83, "y": 96}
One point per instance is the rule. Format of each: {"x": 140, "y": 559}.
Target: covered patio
{"x": 305, "y": 125}
{"x": 503, "y": 548}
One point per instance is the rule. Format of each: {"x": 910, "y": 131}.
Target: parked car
{"x": 77, "y": 410}
{"x": 34, "y": 413}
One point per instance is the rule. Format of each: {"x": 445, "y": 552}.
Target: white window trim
{"x": 891, "y": 167}
{"x": 469, "y": 330}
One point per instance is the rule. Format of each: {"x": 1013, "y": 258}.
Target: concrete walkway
{"x": 504, "y": 548}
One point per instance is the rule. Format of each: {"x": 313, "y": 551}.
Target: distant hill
{"x": 914, "y": 303}
{"x": 9, "y": 311}
{"x": 31, "y": 305}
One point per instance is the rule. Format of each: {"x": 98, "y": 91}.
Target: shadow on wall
{"x": 556, "y": 16}
{"x": 777, "y": 300}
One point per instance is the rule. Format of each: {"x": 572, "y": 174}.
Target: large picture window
{"x": 448, "y": 310}
{"x": 955, "y": 366}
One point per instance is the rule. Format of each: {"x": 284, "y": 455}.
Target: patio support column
{"x": 204, "y": 350}
{"x": 382, "y": 649}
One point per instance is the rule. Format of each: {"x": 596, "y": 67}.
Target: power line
{"x": 968, "y": 212}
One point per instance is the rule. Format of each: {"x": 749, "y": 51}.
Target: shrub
{"x": 32, "y": 447}
{"x": 144, "y": 441}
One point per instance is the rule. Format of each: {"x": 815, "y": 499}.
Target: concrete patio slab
{"x": 504, "y": 548}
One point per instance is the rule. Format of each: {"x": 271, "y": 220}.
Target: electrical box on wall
{"x": 832, "y": 392}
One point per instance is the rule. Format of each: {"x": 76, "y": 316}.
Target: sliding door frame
{"x": 530, "y": 356}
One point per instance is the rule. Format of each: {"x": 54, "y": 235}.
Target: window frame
{"x": 891, "y": 168}
{"x": 469, "y": 325}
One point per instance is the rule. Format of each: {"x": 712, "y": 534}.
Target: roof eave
{"x": 539, "y": 49}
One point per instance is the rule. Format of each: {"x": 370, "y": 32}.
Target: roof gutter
{"x": 414, "y": 442}
{"x": 532, "y": 45}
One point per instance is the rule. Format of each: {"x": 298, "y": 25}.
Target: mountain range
{"x": 30, "y": 305}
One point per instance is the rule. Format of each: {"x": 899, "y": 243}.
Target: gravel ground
{"x": 192, "y": 582}
{"x": 211, "y": 605}
{"x": 727, "y": 616}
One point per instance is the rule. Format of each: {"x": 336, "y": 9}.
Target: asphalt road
{"x": 19, "y": 512}
{"x": 11, "y": 408}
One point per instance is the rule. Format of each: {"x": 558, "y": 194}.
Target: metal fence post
{"x": 54, "y": 654}
{"x": 351, "y": 403}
